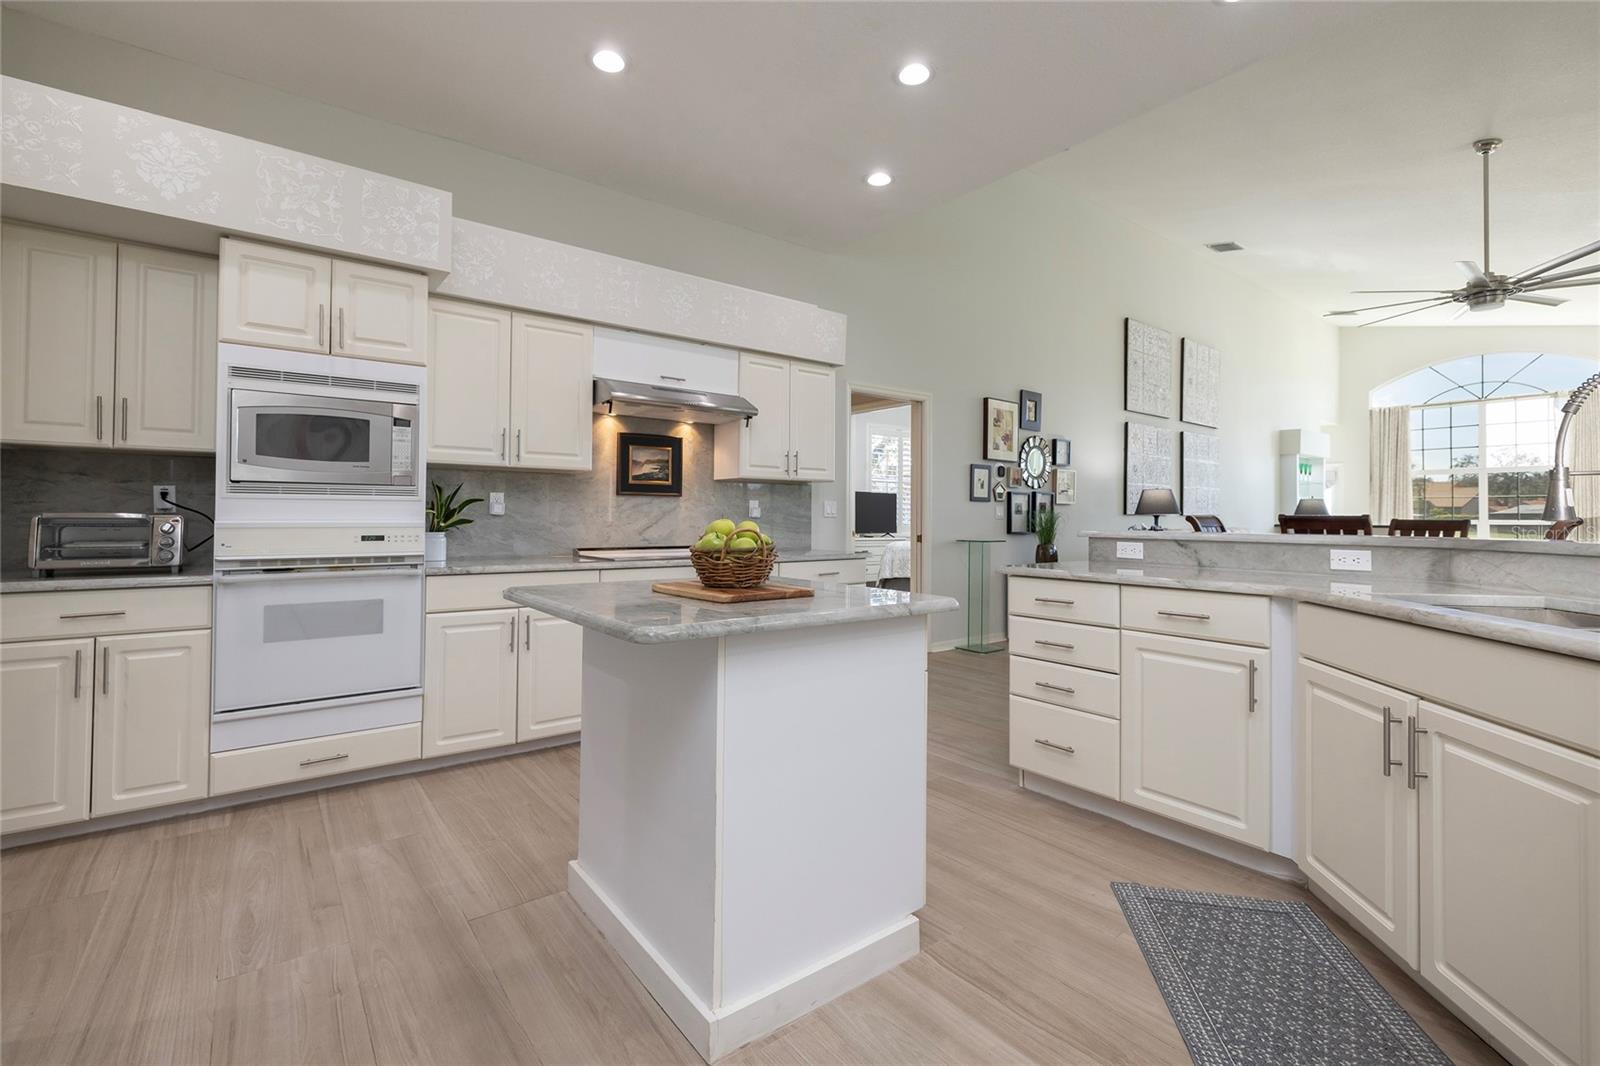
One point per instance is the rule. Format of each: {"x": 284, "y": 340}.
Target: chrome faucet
{"x": 1558, "y": 503}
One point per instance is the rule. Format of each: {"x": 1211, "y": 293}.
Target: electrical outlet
{"x": 830, "y": 508}
{"x": 157, "y": 504}
{"x": 497, "y": 503}
{"x": 755, "y": 508}
{"x": 1130, "y": 549}
{"x": 1350, "y": 588}
{"x": 1349, "y": 559}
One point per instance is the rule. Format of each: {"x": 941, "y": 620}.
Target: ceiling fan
{"x": 1486, "y": 291}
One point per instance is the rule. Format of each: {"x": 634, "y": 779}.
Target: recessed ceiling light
{"x": 879, "y": 178}
{"x": 608, "y": 61}
{"x": 914, "y": 74}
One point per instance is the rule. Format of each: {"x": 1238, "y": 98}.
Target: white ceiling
{"x": 766, "y": 115}
{"x": 1348, "y": 164}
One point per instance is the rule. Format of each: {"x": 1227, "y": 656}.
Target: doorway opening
{"x": 886, "y": 500}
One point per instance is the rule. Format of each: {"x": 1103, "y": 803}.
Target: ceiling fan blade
{"x": 1474, "y": 275}
{"x": 1463, "y": 309}
{"x": 1558, "y": 261}
{"x": 1576, "y": 283}
{"x": 1397, "y": 292}
{"x": 1547, "y": 301}
{"x": 1380, "y": 307}
{"x": 1402, "y": 314}
{"x": 1564, "y": 275}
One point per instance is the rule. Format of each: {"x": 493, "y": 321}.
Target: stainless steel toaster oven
{"x": 105, "y": 541}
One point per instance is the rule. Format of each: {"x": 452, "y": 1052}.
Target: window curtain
{"x": 1389, "y": 481}
{"x": 1586, "y": 456}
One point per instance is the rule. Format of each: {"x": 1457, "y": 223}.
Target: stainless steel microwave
{"x": 305, "y": 438}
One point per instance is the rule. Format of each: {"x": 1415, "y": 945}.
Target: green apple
{"x": 766, "y": 540}
{"x": 711, "y": 542}
{"x": 747, "y": 524}
{"x": 739, "y": 543}
{"x": 721, "y": 527}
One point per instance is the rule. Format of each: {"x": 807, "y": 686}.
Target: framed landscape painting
{"x": 649, "y": 464}
{"x": 999, "y": 430}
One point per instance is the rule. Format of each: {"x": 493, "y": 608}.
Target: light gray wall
{"x": 1016, "y": 285}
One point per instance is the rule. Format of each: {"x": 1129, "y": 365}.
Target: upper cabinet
{"x": 792, "y": 439}
{"x": 281, "y": 298}
{"x": 509, "y": 390}
{"x": 106, "y": 345}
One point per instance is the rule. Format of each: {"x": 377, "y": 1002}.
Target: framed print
{"x": 1146, "y": 368}
{"x": 1041, "y": 502}
{"x": 999, "y": 430}
{"x": 1066, "y": 487}
{"x": 1061, "y": 451}
{"x": 978, "y": 475}
{"x": 1200, "y": 458}
{"x": 1018, "y": 511}
{"x": 1030, "y": 416}
{"x": 1015, "y": 478}
{"x": 649, "y": 465}
{"x": 1200, "y": 390}
{"x": 998, "y": 486}
{"x": 1149, "y": 462}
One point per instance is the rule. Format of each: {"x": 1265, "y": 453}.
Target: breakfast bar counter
{"x": 752, "y": 805}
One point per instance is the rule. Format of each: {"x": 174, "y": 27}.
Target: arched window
{"x": 1483, "y": 433}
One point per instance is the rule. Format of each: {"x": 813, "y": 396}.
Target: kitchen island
{"x": 752, "y": 805}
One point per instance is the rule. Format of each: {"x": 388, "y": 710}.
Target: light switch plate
{"x": 830, "y": 508}
{"x": 497, "y": 503}
{"x": 157, "y": 504}
{"x": 1349, "y": 559}
{"x": 1130, "y": 549}
{"x": 755, "y": 508}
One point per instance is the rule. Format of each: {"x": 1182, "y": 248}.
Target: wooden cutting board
{"x": 693, "y": 590}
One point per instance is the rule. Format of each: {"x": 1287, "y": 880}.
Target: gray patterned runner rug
{"x": 1263, "y": 981}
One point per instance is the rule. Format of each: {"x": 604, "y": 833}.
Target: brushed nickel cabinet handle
{"x": 322, "y": 311}
{"x": 77, "y": 672}
{"x": 1055, "y": 644}
{"x": 503, "y": 432}
{"x": 669, "y": 377}
{"x": 1251, "y": 706}
{"x": 124, "y": 418}
{"x": 1185, "y": 614}
{"x": 91, "y": 614}
{"x": 105, "y": 671}
{"x": 335, "y": 757}
{"x": 1057, "y": 747}
{"x": 341, "y": 329}
{"x": 527, "y": 631}
{"x": 1413, "y": 751}
{"x": 99, "y": 415}
{"x": 797, "y": 462}
{"x": 1389, "y": 761}
{"x": 828, "y": 573}
{"x": 519, "y": 445}
{"x": 1057, "y": 688}
{"x": 1061, "y": 603}
{"x": 511, "y": 637}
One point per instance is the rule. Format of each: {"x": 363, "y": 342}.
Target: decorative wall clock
{"x": 1033, "y": 460}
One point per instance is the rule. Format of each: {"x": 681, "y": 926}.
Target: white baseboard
{"x": 716, "y": 1032}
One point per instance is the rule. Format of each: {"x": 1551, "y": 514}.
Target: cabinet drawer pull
{"x": 91, "y": 614}
{"x": 1389, "y": 761}
{"x": 1413, "y": 751}
{"x": 105, "y": 671}
{"x": 1057, "y": 747}
{"x": 77, "y": 672}
{"x": 669, "y": 377}
{"x": 335, "y": 757}
{"x": 99, "y": 415}
{"x": 124, "y": 418}
{"x": 1055, "y": 644}
{"x": 1185, "y": 614}
{"x": 1047, "y": 599}
{"x": 828, "y": 573}
{"x": 1057, "y": 688}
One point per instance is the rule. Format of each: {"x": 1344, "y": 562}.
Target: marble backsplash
{"x": 546, "y": 513}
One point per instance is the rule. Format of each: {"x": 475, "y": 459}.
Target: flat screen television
{"x": 876, "y": 512}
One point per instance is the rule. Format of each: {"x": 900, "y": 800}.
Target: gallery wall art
{"x": 1000, "y": 429}
{"x": 1148, "y": 461}
{"x": 1200, "y": 397}
{"x": 1202, "y": 472}
{"x": 1147, "y": 369}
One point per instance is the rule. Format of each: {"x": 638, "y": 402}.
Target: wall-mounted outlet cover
{"x": 830, "y": 508}
{"x": 157, "y": 504}
{"x": 755, "y": 508}
{"x": 1130, "y": 549}
{"x": 497, "y": 503}
{"x": 1350, "y": 588}
{"x": 1349, "y": 559}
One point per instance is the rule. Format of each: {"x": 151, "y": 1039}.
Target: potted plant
{"x": 1044, "y": 527}
{"x": 444, "y": 514}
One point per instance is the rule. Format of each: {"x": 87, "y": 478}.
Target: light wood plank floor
{"x": 423, "y": 919}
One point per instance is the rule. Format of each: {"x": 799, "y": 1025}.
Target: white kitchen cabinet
{"x": 152, "y": 718}
{"x": 379, "y": 313}
{"x": 552, "y": 394}
{"x": 469, "y": 697}
{"x": 274, "y": 297}
{"x": 549, "y": 676}
{"x": 46, "y": 703}
{"x": 469, "y": 383}
{"x": 57, "y": 337}
{"x": 792, "y": 438}
{"x": 1358, "y": 817}
{"x": 166, "y": 362}
{"x": 1196, "y": 740}
{"x": 1510, "y": 884}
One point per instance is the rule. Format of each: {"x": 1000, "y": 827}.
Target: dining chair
{"x": 1430, "y": 527}
{"x": 1357, "y": 524}
{"x": 1562, "y": 528}
{"x": 1205, "y": 523}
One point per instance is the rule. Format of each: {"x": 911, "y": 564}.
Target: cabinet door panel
{"x": 764, "y": 449}
{"x": 469, "y": 384}
{"x": 469, "y": 697}
{"x": 812, "y": 404}
{"x": 379, "y": 313}
{"x": 45, "y": 704}
{"x": 1359, "y": 824}
{"x": 152, "y": 718}
{"x": 275, "y": 297}
{"x": 550, "y": 678}
{"x": 166, "y": 350}
{"x": 57, "y": 337}
{"x": 1193, "y": 747}
{"x": 1510, "y": 871}
{"x": 552, "y": 394}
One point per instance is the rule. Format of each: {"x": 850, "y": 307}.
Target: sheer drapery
{"x": 1389, "y": 482}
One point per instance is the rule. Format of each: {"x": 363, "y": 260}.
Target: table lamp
{"x": 1157, "y": 502}
{"x": 1311, "y": 505}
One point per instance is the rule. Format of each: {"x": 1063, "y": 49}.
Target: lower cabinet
{"x": 1196, "y": 733}
{"x": 1509, "y": 849}
{"x": 152, "y": 720}
{"x": 549, "y": 676}
{"x": 46, "y": 706}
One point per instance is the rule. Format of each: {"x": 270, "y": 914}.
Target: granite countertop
{"x": 1436, "y": 604}
{"x": 630, "y": 611}
{"x": 1298, "y": 540}
{"x": 530, "y": 564}
{"x": 12, "y": 581}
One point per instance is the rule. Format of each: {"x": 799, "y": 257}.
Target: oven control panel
{"x": 318, "y": 541}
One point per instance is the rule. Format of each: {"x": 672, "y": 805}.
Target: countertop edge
{"x": 545, "y": 564}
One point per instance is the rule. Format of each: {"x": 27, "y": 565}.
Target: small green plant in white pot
{"x": 444, "y": 514}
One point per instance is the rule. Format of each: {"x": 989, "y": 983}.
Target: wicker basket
{"x": 734, "y": 570}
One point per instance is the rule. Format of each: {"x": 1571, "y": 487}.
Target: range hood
{"x": 678, "y": 403}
